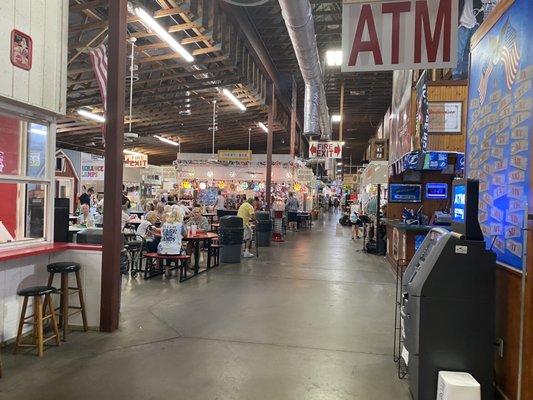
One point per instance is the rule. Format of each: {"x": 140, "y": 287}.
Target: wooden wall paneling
{"x": 445, "y": 93}
{"x": 527, "y": 371}
{"x": 507, "y": 328}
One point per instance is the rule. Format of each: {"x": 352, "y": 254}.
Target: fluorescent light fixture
{"x": 262, "y": 126}
{"x": 167, "y": 141}
{"x": 162, "y": 33}
{"x": 343, "y": 143}
{"x": 334, "y": 58}
{"x": 339, "y": 163}
{"x": 336, "y": 118}
{"x": 235, "y": 100}
{"x": 132, "y": 153}
{"x": 87, "y": 114}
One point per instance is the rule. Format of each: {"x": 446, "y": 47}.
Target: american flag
{"x": 98, "y": 58}
{"x": 509, "y": 53}
{"x": 484, "y": 82}
{"x": 505, "y": 51}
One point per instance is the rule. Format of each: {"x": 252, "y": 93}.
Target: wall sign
{"x": 393, "y": 35}
{"x": 499, "y": 131}
{"x": 92, "y": 167}
{"x": 332, "y": 149}
{"x": 234, "y": 155}
{"x": 136, "y": 160}
{"x": 21, "y": 50}
{"x": 445, "y": 117}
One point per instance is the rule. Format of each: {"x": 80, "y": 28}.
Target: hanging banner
{"x": 234, "y": 155}
{"x": 136, "y": 160}
{"x": 397, "y": 35}
{"x": 325, "y": 149}
{"x": 92, "y": 167}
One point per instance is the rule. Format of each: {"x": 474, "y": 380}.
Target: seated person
{"x": 85, "y": 219}
{"x": 149, "y": 232}
{"x": 172, "y": 233}
{"x": 198, "y": 219}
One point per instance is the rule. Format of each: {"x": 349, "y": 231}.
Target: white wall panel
{"x": 7, "y": 16}
{"x": 46, "y": 21}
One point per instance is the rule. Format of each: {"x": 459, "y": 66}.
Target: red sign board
{"x": 21, "y": 50}
{"x": 399, "y": 35}
{"x": 325, "y": 149}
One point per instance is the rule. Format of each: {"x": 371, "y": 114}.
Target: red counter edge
{"x": 12, "y": 254}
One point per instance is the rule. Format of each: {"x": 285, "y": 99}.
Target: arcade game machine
{"x": 447, "y": 306}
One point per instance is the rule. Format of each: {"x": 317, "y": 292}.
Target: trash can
{"x": 263, "y": 228}
{"x": 230, "y": 236}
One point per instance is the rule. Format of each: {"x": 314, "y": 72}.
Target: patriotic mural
{"x": 499, "y": 131}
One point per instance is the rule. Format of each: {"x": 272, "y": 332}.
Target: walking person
{"x": 247, "y": 213}
{"x": 355, "y": 221}
{"x": 292, "y": 208}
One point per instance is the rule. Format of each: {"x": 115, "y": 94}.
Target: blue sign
{"x": 410, "y": 161}
{"x": 459, "y": 203}
{"x": 499, "y": 131}
{"x": 436, "y": 160}
{"x": 405, "y": 193}
{"x": 460, "y": 162}
{"x": 436, "y": 191}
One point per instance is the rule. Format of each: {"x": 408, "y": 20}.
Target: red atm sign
{"x": 396, "y": 34}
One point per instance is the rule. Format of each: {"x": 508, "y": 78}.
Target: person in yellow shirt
{"x": 247, "y": 213}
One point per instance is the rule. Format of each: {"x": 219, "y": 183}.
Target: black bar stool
{"x": 65, "y": 268}
{"x": 39, "y": 316}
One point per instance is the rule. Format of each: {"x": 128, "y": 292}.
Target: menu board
{"x": 499, "y": 131}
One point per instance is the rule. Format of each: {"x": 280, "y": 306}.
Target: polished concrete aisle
{"x": 312, "y": 318}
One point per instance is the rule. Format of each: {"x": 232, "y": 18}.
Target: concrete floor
{"x": 312, "y": 318}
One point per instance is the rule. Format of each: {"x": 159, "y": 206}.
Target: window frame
{"x": 48, "y": 179}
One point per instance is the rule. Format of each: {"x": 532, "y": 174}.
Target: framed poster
{"x": 21, "y": 50}
{"x": 445, "y": 117}
{"x": 499, "y": 128}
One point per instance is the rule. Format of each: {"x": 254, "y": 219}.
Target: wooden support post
{"x": 270, "y": 141}
{"x": 114, "y": 139}
{"x": 341, "y": 123}
{"x": 293, "y": 118}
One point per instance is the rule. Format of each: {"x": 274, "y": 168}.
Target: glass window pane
{"x": 10, "y": 145}
{"x": 36, "y": 154}
{"x": 22, "y": 211}
{"x": 35, "y": 211}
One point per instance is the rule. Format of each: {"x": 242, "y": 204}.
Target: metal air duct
{"x": 298, "y": 17}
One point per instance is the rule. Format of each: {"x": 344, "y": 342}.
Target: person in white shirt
{"x": 355, "y": 209}
{"x": 220, "y": 203}
{"x": 85, "y": 218}
{"x": 148, "y": 231}
{"x": 172, "y": 233}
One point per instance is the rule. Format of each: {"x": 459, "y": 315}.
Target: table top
{"x": 203, "y": 236}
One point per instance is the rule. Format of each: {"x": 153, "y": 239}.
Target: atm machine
{"x": 448, "y": 305}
